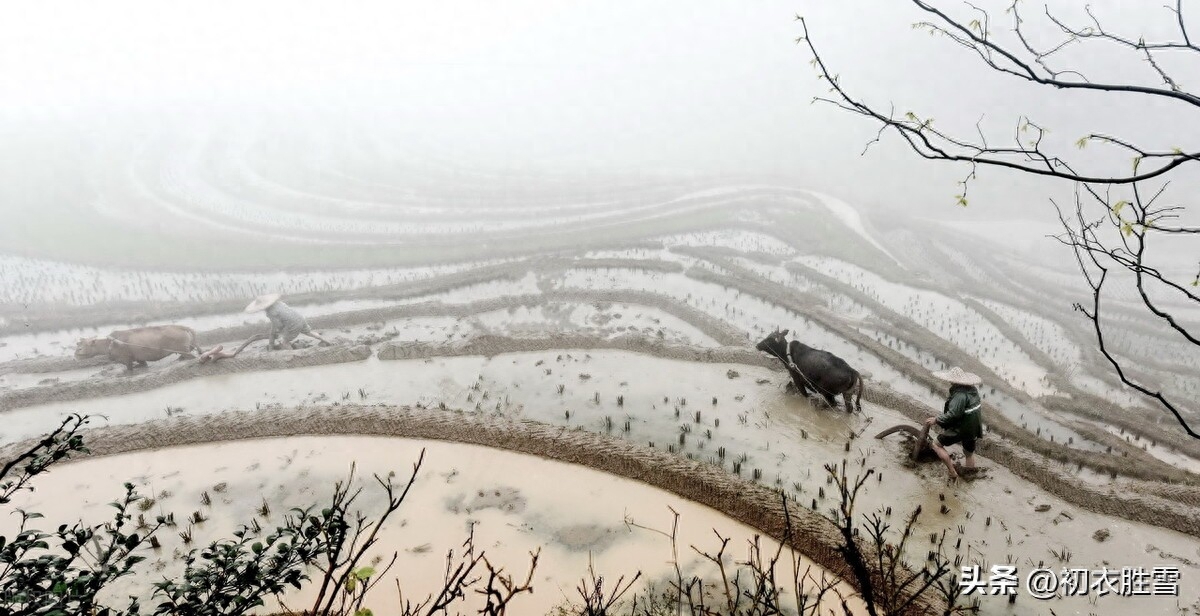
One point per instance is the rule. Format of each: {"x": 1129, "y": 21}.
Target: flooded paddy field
{"x": 653, "y": 301}
{"x": 948, "y": 319}
{"x": 509, "y": 502}
{"x": 640, "y": 340}
{"x": 33, "y": 281}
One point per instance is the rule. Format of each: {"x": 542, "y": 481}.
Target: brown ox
{"x": 141, "y": 345}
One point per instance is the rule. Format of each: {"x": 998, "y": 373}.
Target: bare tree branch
{"x": 934, "y": 144}
{"x": 1118, "y": 236}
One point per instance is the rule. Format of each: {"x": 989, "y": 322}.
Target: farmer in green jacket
{"x": 961, "y": 420}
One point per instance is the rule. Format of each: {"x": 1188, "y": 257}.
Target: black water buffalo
{"x": 822, "y": 371}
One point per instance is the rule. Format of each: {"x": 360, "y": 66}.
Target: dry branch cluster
{"x": 1117, "y": 216}
{"x": 330, "y": 549}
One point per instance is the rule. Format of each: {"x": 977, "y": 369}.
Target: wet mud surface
{"x": 1065, "y": 464}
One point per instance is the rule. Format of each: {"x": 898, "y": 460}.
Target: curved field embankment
{"x": 44, "y": 365}
{"x": 1135, "y": 420}
{"x": 718, "y": 330}
{"x": 485, "y": 345}
{"x": 1143, "y": 422}
{"x": 1134, "y": 463}
{"x": 1010, "y": 332}
{"x": 178, "y": 372}
{"x": 1138, "y": 464}
{"x": 491, "y": 345}
{"x": 1146, "y": 504}
{"x": 1032, "y": 293}
{"x": 141, "y": 312}
{"x": 904, "y": 328}
{"x": 64, "y": 318}
{"x": 752, "y": 504}
{"x": 1016, "y": 448}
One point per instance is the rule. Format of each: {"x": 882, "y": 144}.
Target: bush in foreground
{"x": 322, "y": 550}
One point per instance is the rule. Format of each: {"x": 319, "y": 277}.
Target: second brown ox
{"x": 141, "y": 345}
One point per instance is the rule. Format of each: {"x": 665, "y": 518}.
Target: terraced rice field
{"x": 622, "y": 313}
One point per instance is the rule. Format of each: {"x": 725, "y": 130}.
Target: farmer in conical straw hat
{"x": 286, "y": 323}
{"x": 961, "y": 420}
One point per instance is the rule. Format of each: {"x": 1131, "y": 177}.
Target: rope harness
{"x": 793, "y": 367}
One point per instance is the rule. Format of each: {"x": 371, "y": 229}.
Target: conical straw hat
{"x": 958, "y": 376}
{"x": 262, "y": 302}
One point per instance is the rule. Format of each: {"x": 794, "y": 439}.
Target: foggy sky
{"x": 703, "y": 86}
